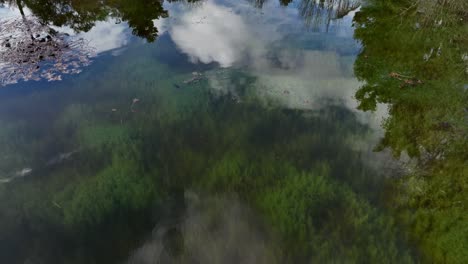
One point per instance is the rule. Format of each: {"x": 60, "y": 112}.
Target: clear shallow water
{"x": 234, "y": 137}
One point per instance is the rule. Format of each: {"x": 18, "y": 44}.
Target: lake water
{"x": 191, "y": 132}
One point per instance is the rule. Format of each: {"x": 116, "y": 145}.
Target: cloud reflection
{"x": 212, "y": 230}
{"x": 291, "y": 73}
{"x": 104, "y": 36}
{"x": 212, "y": 33}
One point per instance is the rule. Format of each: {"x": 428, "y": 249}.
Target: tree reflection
{"x": 82, "y": 15}
{"x": 30, "y": 50}
{"x": 285, "y": 2}
{"x": 317, "y": 13}
{"x": 258, "y": 3}
{"x": 414, "y": 58}
{"x": 139, "y": 14}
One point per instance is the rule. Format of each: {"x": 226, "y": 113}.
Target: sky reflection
{"x": 257, "y": 42}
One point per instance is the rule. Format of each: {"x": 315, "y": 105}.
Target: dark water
{"x": 218, "y": 132}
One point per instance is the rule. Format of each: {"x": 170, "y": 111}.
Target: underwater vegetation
{"x": 133, "y": 162}
{"x": 139, "y": 162}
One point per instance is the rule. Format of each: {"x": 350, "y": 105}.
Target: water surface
{"x": 191, "y": 132}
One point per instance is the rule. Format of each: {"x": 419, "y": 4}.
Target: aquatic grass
{"x": 112, "y": 192}
{"x": 195, "y": 138}
{"x": 216, "y": 148}
{"x": 330, "y": 220}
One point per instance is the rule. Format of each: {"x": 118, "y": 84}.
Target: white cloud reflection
{"x": 104, "y": 36}
{"x": 213, "y": 230}
{"x": 212, "y": 33}
{"x": 257, "y": 41}
{"x": 7, "y": 11}
{"x": 265, "y": 43}
{"x": 107, "y": 35}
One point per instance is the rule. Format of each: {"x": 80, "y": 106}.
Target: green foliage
{"x": 414, "y": 59}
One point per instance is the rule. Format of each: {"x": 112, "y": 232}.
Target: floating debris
{"x": 26, "y": 171}
{"x": 196, "y": 76}
{"x": 406, "y": 80}
{"x": 6, "y": 180}
{"x": 23, "y": 172}
{"x": 60, "y": 158}
{"x": 134, "y": 101}
{"x": 236, "y": 98}
{"x": 193, "y": 79}
{"x": 19, "y": 174}
{"x": 56, "y": 204}
{"x": 32, "y": 51}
